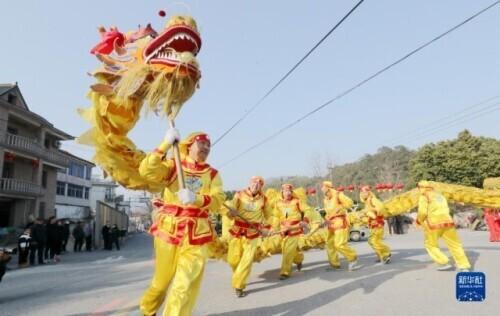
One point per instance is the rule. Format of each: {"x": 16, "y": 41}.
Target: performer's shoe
{"x": 333, "y": 268}
{"x": 445, "y": 267}
{"x": 240, "y": 293}
{"x": 377, "y": 260}
{"x": 353, "y": 266}
{"x": 387, "y": 259}
{"x": 299, "y": 266}
{"x": 283, "y": 277}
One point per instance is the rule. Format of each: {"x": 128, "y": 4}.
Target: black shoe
{"x": 240, "y": 293}
{"x": 299, "y": 266}
{"x": 283, "y": 277}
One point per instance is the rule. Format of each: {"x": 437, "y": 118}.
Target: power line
{"x": 346, "y": 92}
{"x": 438, "y": 122}
{"x": 238, "y": 121}
{"x": 492, "y": 108}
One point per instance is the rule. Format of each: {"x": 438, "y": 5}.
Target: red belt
{"x": 335, "y": 216}
{"x": 246, "y": 224}
{"x": 377, "y": 222}
{"x": 179, "y": 211}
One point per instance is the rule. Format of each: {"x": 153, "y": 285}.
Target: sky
{"x": 248, "y": 46}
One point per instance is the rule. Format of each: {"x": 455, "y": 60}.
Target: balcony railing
{"x": 30, "y": 146}
{"x": 8, "y": 185}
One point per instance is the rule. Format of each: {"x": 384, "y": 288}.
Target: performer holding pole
{"x": 251, "y": 212}
{"x": 290, "y": 219}
{"x": 434, "y": 215}
{"x": 336, "y": 205}
{"x": 181, "y": 227}
{"x": 373, "y": 210}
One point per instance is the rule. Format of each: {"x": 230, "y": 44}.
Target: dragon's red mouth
{"x": 168, "y": 48}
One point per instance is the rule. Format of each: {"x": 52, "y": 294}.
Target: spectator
{"x": 65, "y": 236}
{"x": 23, "y": 246}
{"x": 106, "y": 236}
{"x": 88, "y": 236}
{"x": 38, "y": 241}
{"x": 115, "y": 234}
{"x": 53, "y": 240}
{"x": 78, "y": 235}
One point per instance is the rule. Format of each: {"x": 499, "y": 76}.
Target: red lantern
{"x": 340, "y": 189}
{"x": 399, "y": 187}
{"x": 350, "y": 188}
{"x": 35, "y": 163}
{"x": 379, "y": 187}
{"x": 311, "y": 191}
{"x": 9, "y": 156}
{"x": 389, "y": 186}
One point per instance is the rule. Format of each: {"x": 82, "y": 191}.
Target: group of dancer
{"x": 183, "y": 230}
{"x": 159, "y": 69}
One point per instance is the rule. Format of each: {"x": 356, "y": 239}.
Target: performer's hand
{"x": 232, "y": 213}
{"x": 172, "y": 135}
{"x": 186, "y": 196}
{"x": 326, "y": 223}
{"x": 264, "y": 232}
{"x": 304, "y": 226}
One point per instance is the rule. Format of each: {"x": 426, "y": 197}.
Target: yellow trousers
{"x": 180, "y": 267}
{"x": 240, "y": 257}
{"x": 453, "y": 243}
{"x": 375, "y": 241}
{"x": 290, "y": 254}
{"x": 336, "y": 242}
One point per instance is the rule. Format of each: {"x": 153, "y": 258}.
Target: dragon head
{"x": 177, "y": 46}
{"x": 158, "y": 67}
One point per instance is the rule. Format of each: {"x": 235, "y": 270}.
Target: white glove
{"x": 172, "y": 135}
{"x": 186, "y": 196}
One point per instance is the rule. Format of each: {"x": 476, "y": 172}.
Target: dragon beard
{"x": 164, "y": 91}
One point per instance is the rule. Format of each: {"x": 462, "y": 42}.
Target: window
{"x": 76, "y": 170}
{"x": 88, "y": 172}
{"x": 75, "y": 191}
{"x": 109, "y": 195}
{"x": 87, "y": 190}
{"x": 8, "y": 170}
{"x": 12, "y": 130}
{"x": 41, "y": 213}
{"x": 44, "y": 179}
{"x": 46, "y": 143}
{"x": 61, "y": 188}
{"x": 12, "y": 98}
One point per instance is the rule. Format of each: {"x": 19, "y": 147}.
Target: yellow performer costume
{"x": 336, "y": 205}
{"x": 289, "y": 217}
{"x": 252, "y": 212}
{"x": 181, "y": 231}
{"x": 434, "y": 215}
{"x": 374, "y": 213}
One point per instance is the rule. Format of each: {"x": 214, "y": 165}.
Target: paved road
{"x": 104, "y": 283}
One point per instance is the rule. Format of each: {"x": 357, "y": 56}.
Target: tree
{"x": 467, "y": 160}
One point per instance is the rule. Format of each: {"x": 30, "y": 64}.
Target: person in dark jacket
{"x": 79, "y": 236}
{"x": 66, "y": 234}
{"x": 53, "y": 239}
{"x": 38, "y": 241}
{"x": 106, "y": 236}
{"x": 87, "y": 230}
{"x": 115, "y": 234}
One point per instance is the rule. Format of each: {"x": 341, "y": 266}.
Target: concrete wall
{"x": 107, "y": 214}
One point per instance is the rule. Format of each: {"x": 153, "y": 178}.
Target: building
{"x": 73, "y": 189}
{"x": 29, "y": 160}
{"x": 102, "y": 191}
